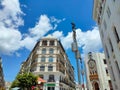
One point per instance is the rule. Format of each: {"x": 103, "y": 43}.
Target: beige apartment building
{"x": 49, "y": 60}
{"x": 98, "y": 77}
{"x": 107, "y": 15}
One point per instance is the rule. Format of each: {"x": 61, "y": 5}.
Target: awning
{"x": 40, "y": 80}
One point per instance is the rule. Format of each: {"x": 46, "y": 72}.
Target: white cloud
{"x": 42, "y": 27}
{"x": 28, "y": 42}
{"x": 12, "y": 40}
{"x": 9, "y": 40}
{"x": 10, "y": 13}
{"x": 53, "y": 19}
{"x": 58, "y": 34}
{"x": 10, "y": 20}
{"x": 88, "y": 41}
{"x": 56, "y": 21}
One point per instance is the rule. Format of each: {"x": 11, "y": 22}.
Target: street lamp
{"x": 78, "y": 58}
{"x": 77, "y": 53}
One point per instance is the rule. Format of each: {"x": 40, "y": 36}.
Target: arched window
{"x": 42, "y": 59}
{"x": 50, "y": 59}
{"x": 44, "y": 51}
{"x": 51, "y": 50}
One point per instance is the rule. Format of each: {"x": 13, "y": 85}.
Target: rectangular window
{"x": 111, "y": 45}
{"x": 44, "y": 42}
{"x": 107, "y": 52}
{"x": 51, "y": 78}
{"x": 105, "y": 25}
{"x": 110, "y": 84}
{"x": 116, "y": 34}
{"x": 106, "y": 71}
{"x": 108, "y": 12}
{"x": 112, "y": 73}
{"x": 118, "y": 69}
{"x": 105, "y": 62}
{"x": 50, "y": 68}
{"x": 42, "y": 68}
{"x": 102, "y": 34}
{"x": 52, "y": 43}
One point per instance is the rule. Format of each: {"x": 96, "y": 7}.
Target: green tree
{"x": 15, "y": 83}
{"x": 26, "y": 80}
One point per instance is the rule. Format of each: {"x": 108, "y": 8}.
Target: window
{"x": 99, "y": 20}
{"x": 111, "y": 45}
{"x": 108, "y": 12}
{"x": 50, "y": 59}
{"x": 51, "y": 50}
{"x": 51, "y": 88}
{"x": 110, "y": 84}
{"x": 112, "y": 73}
{"x": 102, "y": 34}
{"x": 118, "y": 69}
{"x": 116, "y": 34}
{"x": 42, "y": 59}
{"x": 33, "y": 69}
{"x": 50, "y": 68}
{"x": 44, "y": 51}
{"x": 106, "y": 71}
{"x": 107, "y": 52}
{"x": 105, "y": 25}
{"x": 42, "y": 68}
{"x": 104, "y": 61}
{"x": 51, "y": 78}
{"x": 51, "y": 42}
{"x": 44, "y": 42}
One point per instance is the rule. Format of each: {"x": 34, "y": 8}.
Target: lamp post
{"x": 78, "y": 58}
{"x": 77, "y": 53}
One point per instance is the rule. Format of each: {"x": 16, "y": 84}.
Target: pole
{"x": 77, "y": 54}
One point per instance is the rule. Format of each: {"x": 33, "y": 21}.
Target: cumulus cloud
{"x": 41, "y": 27}
{"x": 58, "y": 34}
{"x": 10, "y": 14}
{"x": 10, "y": 20}
{"x": 28, "y": 42}
{"x": 11, "y": 39}
{"x": 88, "y": 41}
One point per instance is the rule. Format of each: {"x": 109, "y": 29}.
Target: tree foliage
{"x": 15, "y": 83}
{"x": 26, "y": 80}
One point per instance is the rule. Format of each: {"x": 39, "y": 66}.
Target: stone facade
{"x": 49, "y": 60}
{"x": 107, "y": 15}
{"x": 97, "y": 72}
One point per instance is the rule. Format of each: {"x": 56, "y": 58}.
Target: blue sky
{"x": 24, "y": 22}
